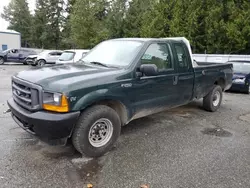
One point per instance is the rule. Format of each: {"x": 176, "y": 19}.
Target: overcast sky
{"x": 3, "y": 23}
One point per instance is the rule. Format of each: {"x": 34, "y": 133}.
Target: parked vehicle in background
{"x": 31, "y": 60}
{"x": 118, "y": 81}
{"x": 15, "y": 55}
{"x": 241, "y": 76}
{"x": 45, "y": 57}
{"x": 71, "y": 56}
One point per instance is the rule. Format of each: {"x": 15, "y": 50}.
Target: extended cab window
{"x": 14, "y": 51}
{"x": 182, "y": 58}
{"x": 159, "y": 55}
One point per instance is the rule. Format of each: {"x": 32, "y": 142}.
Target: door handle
{"x": 175, "y": 80}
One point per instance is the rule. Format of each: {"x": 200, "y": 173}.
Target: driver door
{"x": 13, "y": 55}
{"x": 155, "y": 93}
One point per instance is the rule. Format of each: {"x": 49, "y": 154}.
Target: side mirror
{"x": 149, "y": 69}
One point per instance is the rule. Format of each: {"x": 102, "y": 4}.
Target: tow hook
{"x": 7, "y": 111}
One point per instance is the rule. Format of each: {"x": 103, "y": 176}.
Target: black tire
{"x": 1, "y": 61}
{"x": 25, "y": 63}
{"x": 209, "y": 103}
{"x": 248, "y": 89}
{"x": 80, "y": 137}
{"x": 33, "y": 65}
{"x": 41, "y": 63}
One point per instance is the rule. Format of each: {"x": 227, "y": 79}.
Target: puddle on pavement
{"x": 219, "y": 132}
{"x": 86, "y": 171}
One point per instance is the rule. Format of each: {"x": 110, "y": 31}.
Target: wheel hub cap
{"x": 100, "y": 132}
{"x": 216, "y": 98}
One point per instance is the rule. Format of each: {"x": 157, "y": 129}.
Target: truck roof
{"x": 152, "y": 39}
{"x": 182, "y": 39}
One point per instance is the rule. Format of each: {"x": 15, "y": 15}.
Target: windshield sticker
{"x": 146, "y": 56}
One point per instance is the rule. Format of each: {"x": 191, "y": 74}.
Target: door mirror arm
{"x": 138, "y": 74}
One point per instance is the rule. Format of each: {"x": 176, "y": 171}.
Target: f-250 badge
{"x": 126, "y": 85}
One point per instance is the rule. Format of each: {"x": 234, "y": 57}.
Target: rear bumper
{"x": 49, "y": 127}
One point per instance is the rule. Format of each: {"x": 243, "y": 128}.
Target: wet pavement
{"x": 183, "y": 147}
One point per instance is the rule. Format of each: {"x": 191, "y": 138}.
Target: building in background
{"x": 10, "y": 39}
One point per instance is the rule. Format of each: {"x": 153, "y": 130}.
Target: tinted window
{"x": 159, "y": 55}
{"x": 14, "y": 51}
{"x": 53, "y": 53}
{"x": 181, "y": 57}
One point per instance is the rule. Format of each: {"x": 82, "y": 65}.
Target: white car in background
{"x": 71, "y": 56}
{"x": 45, "y": 57}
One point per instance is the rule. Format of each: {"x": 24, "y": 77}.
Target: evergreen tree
{"x": 115, "y": 20}
{"x": 88, "y": 22}
{"x": 55, "y": 22}
{"x": 134, "y": 17}
{"x": 40, "y": 30}
{"x": 157, "y": 20}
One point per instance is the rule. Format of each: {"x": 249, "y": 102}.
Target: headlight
{"x": 238, "y": 80}
{"x": 55, "y": 102}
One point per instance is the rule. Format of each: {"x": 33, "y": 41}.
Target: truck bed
{"x": 207, "y": 74}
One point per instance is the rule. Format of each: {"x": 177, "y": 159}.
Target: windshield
{"x": 67, "y": 56}
{"x": 114, "y": 53}
{"x": 241, "y": 67}
{"x": 5, "y": 51}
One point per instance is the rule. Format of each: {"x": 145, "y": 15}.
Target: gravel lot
{"x": 184, "y": 147}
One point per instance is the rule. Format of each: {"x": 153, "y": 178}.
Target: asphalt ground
{"x": 185, "y": 147}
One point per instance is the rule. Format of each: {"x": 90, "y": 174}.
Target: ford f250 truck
{"x": 116, "y": 82}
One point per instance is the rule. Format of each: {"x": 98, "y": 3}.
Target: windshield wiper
{"x": 98, "y": 63}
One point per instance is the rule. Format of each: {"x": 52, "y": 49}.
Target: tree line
{"x": 212, "y": 26}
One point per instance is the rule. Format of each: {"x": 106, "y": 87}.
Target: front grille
{"x": 26, "y": 94}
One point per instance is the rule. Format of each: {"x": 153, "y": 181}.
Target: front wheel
{"x": 96, "y": 131}
{"x": 1, "y": 61}
{"x": 213, "y": 99}
{"x": 41, "y": 62}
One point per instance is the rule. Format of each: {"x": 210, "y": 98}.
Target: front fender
{"x": 100, "y": 95}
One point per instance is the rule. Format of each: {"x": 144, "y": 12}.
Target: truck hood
{"x": 62, "y": 77}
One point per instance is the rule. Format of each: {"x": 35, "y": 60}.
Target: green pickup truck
{"x": 116, "y": 82}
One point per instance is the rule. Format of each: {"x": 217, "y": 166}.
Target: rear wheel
{"x": 1, "y": 61}
{"x": 97, "y": 130}
{"x": 212, "y": 100}
{"x": 41, "y": 62}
